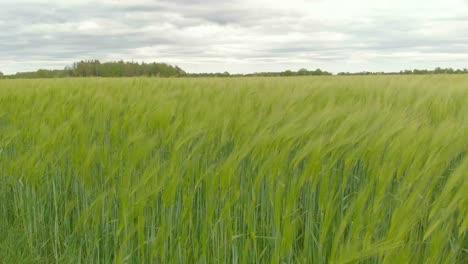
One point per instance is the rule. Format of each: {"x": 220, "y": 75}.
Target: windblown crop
{"x": 234, "y": 170}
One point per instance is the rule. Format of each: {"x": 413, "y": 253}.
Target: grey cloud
{"x": 210, "y": 31}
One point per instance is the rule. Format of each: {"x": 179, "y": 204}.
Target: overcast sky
{"x": 237, "y": 35}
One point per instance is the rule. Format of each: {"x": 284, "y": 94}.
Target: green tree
{"x": 302, "y": 71}
{"x": 287, "y": 73}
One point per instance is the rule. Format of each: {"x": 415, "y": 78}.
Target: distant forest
{"x": 94, "y": 68}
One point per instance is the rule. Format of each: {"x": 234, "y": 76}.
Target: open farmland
{"x": 234, "y": 170}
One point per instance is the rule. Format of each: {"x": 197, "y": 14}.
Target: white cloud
{"x": 88, "y": 25}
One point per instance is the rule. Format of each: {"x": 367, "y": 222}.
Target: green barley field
{"x": 363, "y": 169}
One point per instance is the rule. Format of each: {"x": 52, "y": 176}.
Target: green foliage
{"x": 94, "y": 68}
{"x": 234, "y": 170}
{"x": 123, "y": 69}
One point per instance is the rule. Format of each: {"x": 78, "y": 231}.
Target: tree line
{"x": 437, "y": 70}
{"x": 94, "y": 68}
{"x": 301, "y": 72}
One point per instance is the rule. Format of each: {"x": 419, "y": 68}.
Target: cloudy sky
{"x": 236, "y": 35}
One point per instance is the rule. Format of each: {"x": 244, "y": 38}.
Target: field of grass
{"x": 238, "y": 170}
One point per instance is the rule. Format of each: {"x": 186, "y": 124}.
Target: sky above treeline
{"x": 239, "y": 36}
